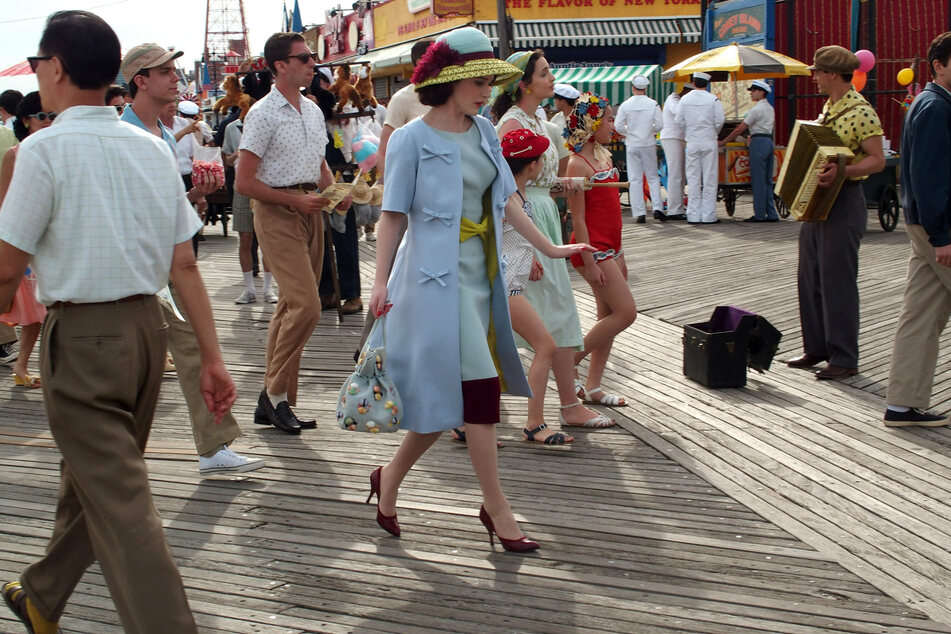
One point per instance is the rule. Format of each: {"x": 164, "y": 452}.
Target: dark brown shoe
{"x": 805, "y": 361}
{"x": 832, "y": 372}
{"x": 353, "y": 305}
{"x": 327, "y": 302}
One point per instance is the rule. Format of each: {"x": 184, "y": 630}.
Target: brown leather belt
{"x": 130, "y": 298}
{"x": 304, "y": 187}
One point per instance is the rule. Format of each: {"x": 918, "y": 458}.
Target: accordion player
{"x": 811, "y": 147}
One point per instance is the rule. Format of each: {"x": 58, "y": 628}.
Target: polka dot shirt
{"x": 854, "y": 120}
{"x": 290, "y": 144}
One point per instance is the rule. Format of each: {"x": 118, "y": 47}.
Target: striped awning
{"x": 614, "y": 82}
{"x": 601, "y": 32}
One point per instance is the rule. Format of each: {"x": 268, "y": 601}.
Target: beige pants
{"x": 924, "y": 314}
{"x": 7, "y": 334}
{"x": 293, "y": 247}
{"x": 102, "y": 370}
{"x": 209, "y": 436}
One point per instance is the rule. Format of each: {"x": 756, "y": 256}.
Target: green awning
{"x": 614, "y": 82}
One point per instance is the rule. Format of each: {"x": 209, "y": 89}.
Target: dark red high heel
{"x": 386, "y": 522}
{"x": 520, "y": 545}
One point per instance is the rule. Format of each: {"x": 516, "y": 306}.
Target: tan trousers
{"x": 209, "y": 436}
{"x": 102, "y": 370}
{"x": 924, "y": 314}
{"x": 293, "y": 247}
{"x": 7, "y": 334}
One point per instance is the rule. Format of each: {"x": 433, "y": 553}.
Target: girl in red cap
{"x": 597, "y": 220}
{"x": 523, "y": 150}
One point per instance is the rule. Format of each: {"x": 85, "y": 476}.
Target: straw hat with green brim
{"x": 461, "y": 54}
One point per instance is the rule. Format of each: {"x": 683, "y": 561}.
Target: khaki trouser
{"x": 7, "y": 334}
{"x": 924, "y": 314}
{"x": 293, "y": 247}
{"x": 182, "y": 344}
{"x": 102, "y": 370}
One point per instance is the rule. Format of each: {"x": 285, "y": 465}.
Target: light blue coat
{"x": 424, "y": 181}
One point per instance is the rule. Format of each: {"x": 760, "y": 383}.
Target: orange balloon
{"x": 906, "y": 76}
{"x": 858, "y": 80}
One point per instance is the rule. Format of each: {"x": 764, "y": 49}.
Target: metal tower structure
{"x": 225, "y": 29}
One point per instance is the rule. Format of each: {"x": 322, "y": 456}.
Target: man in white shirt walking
{"x": 99, "y": 207}
{"x": 281, "y": 167}
{"x": 759, "y": 123}
{"x": 701, "y": 114}
{"x": 672, "y": 139}
{"x": 639, "y": 120}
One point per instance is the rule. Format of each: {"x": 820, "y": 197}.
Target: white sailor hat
{"x": 640, "y": 82}
{"x": 567, "y": 91}
{"x": 705, "y": 76}
{"x": 762, "y": 85}
{"x": 188, "y": 108}
{"x": 323, "y": 70}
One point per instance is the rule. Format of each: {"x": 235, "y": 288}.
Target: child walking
{"x": 596, "y": 214}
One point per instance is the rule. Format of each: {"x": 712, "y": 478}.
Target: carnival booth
{"x": 614, "y": 82}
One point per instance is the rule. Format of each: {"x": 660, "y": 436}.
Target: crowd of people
{"x": 481, "y": 268}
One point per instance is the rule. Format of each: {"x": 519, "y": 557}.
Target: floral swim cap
{"x": 584, "y": 120}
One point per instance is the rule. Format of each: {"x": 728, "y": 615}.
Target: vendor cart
{"x": 881, "y": 193}
{"x": 735, "y": 173}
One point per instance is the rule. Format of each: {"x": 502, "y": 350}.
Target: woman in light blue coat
{"x": 450, "y": 347}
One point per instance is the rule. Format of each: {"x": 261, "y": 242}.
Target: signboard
{"x": 393, "y": 23}
{"x": 741, "y": 21}
{"x": 447, "y": 8}
{"x": 589, "y": 9}
{"x": 734, "y": 167}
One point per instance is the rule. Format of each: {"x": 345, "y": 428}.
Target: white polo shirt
{"x": 100, "y": 206}
{"x": 290, "y": 144}
{"x": 761, "y": 118}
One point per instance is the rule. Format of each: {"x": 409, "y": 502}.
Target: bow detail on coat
{"x": 429, "y": 276}
{"x": 428, "y": 153}
{"x": 445, "y": 217}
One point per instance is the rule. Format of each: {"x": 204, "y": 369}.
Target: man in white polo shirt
{"x": 104, "y": 238}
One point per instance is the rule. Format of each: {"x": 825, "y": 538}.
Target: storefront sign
{"x": 447, "y": 8}
{"x": 741, "y": 21}
{"x": 341, "y": 36}
{"x": 589, "y": 9}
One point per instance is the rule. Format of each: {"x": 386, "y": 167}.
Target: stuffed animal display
{"x": 234, "y": 96}
{"x": 344, "y": 90}
{"x": 364, "y": 85}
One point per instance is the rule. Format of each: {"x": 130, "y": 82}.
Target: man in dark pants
{"x": 101, "y": 261}
{"x": 829, "y": 250}
{"x": 926, "y": 199}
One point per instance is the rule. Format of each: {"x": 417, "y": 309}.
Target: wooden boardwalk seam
{"x": 782, "y": 507}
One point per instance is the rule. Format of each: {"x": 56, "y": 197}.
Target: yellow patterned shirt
{"x": 854, "y": 120}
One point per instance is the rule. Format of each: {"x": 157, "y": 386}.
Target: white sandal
{"x": 606, "y": 398}
{"x": 600, "y": 421}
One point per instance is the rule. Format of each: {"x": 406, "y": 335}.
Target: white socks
{"x": 267, "y": 281}
{"x": 277, "y": 398}
{"x": 898, "y": 408}
{"x": 248, "y": 281}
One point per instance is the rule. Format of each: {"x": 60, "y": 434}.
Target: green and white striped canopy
{"x": 614, "y": 82}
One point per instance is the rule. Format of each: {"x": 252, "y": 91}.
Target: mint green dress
{"x": 552, "y": 296}
{"x": 474, "y": 289}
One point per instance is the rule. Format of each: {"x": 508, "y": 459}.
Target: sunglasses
{"x": 35, "y": 59}
{"x": 119, "y": 109}
{"x": 303, "y": 57}
{"x": 43, "y": 116}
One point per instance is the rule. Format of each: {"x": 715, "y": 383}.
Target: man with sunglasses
{"x": 99, "y": 207}
{"x": 281, "y": 167}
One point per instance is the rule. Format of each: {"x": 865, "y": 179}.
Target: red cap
{"x": 524, "y": 143}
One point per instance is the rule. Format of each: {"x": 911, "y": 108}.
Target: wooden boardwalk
{"x": 781, "y": 507}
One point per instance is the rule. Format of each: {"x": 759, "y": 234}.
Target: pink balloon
{"x": 866, "y": 60}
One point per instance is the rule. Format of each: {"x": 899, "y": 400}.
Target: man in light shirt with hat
{"x": 639, "y": 120}
{"x": 566, "y": 96}
{"x": 759, "y": 123}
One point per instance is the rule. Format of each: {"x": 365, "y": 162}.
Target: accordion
{"x": 811, "y": 147}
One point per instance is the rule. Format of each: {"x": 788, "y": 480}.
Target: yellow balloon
{"x": 905, "y": 76}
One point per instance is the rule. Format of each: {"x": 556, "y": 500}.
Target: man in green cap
{"x": 829, "y": 250}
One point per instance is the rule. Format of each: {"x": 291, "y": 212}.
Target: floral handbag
{"x": 368, "y": 400}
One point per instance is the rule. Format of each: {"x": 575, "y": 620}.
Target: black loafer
{"x": 641, "y": 220}
{"x": 306, "y": 424}
{"x": 914, "y": 418}
{"x": 676, "y": 217}
{"x": 281, "y": 416}
{"x": 661, "y": 216}
{"x": 712, "y": 222}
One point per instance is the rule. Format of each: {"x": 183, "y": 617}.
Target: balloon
{"x": 858, "y": 80}
{"x": 866, "y": 60}
{"x": 906, "y": 76}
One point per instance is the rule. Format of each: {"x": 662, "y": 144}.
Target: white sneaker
{"x": 227, "y": 461}
{"x": 270, "y": 297}
{"x": 371, "y": 236}
{"x": 247, "y": 297}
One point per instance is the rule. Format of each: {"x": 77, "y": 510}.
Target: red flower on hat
{"x": 593, "y": 111}
{"x": 438, "y": 56}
